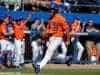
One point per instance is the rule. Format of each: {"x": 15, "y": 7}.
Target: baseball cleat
{"x": 37, "y": 69}
{"x": 18, "y": 67}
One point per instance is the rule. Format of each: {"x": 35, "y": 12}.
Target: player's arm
{"x": 41, "y": 26}
{"x": 14, "y": 24}
{"x": 3, "y": 27}
{"x": 66, "y": 30}
{"x": 68, "y": 36}
{"x": 25, "y": 27}
{"x": 28, "y": 18}
{"x": 46, "y": 32}
{"x": 83, "y": 26}
{"x": 4, "y": 30}
{"x": 77, "y": 29}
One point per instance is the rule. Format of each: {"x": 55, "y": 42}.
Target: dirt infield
{"x": 64, "y": 66}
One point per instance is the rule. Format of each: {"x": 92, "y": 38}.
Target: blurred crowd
{"x": 70, "y": 5}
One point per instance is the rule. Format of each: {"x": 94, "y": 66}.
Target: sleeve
{"x": 3, "y": 27}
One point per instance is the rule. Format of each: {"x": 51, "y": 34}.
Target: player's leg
{"x": 9, "y": 53}
{"x": 2, "y": 52}
{"x": 22, "y": 52}
{"x": 64, "y": 49}
{"x": 12, "y": 53}
{"x": 80, "y": 50}
{"x": 35, "y": 51}
{"x": 17, "y": 52}
{"x": 98, "y": 51}
{"x": 13, "y": 50}
{"x": 89, "y": 45}
{"x": 53, "y": 44}
{"x": 1, "y": 60}
{"x": 1, "y": 56}
{"x": 63, "y": 53}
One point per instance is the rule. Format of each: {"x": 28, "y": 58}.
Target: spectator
{"x": 15, "y": 3}
{"x": 98, "y": 47}
{"x": 67, "y": 7}
{"x": 90, "y": 43}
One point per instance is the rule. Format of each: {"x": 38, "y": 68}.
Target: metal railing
{"x": 86, "y": 5}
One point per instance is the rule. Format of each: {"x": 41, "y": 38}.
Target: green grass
{"x": 50, "y": 72}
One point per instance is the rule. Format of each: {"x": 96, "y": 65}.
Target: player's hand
{"x": 84, "y": 24}
{"x": 67, "y": 43}
{"x": 44, "y": 34}
{"x": 72, "y": 39}
{"x": 71, "y": 33}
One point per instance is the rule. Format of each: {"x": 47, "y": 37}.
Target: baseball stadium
{"x": 49, "y": 37}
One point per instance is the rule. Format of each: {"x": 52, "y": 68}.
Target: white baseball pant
{"x": 54, "y": 42}
{"x": 63, "y": 48}
{"x": 4, "y": 44}
{"x": 80, "y": 48}
{"x": 8, "y": 48}
{"x": 36, "y": 50}
{"x": 80, "y": 52}
{"x": 19, "y": 51}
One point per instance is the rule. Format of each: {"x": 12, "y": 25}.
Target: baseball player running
{"x": 56, "y": 29}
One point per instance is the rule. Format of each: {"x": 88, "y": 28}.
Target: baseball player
{"x": 5, "y": 44}
{"x": 2, "y": 40}
{"x": 56, "y": 29}
{"x": 75, "y": 27}
{"x": 36, "y": 40}
{"x": 10, "y": 44}
{"x": 19, "y": 28}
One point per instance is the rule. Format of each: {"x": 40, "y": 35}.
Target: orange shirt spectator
{"x": 57, "y": 26}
